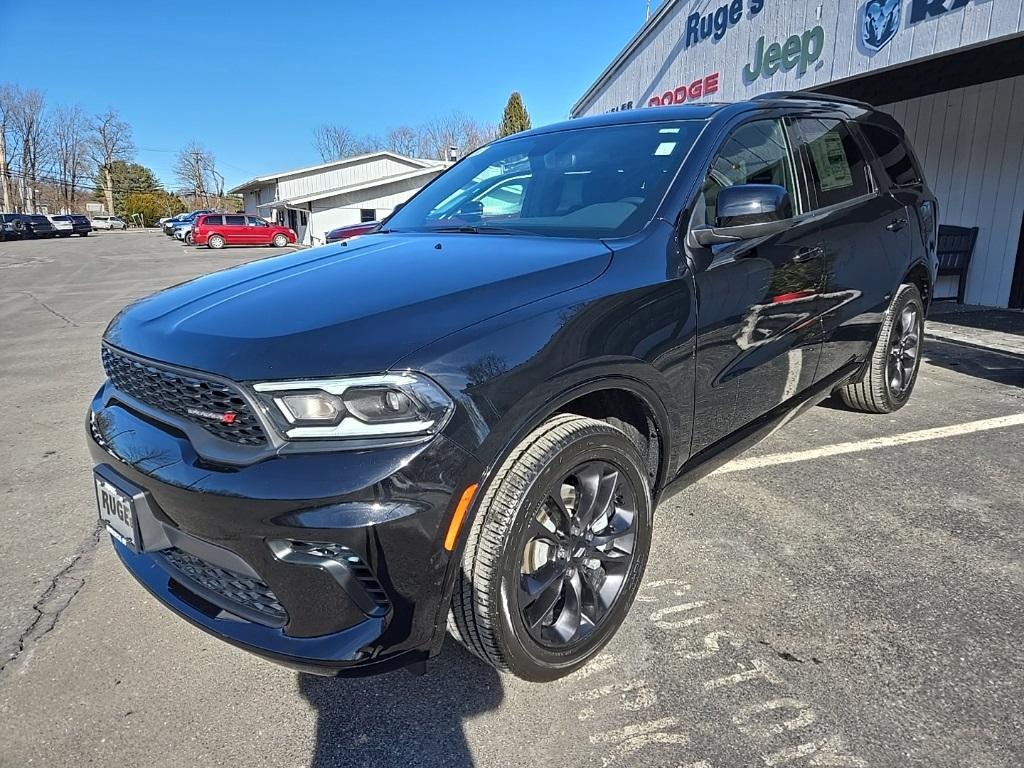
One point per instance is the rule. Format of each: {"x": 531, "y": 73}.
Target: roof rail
{"x": 810, "y": 96}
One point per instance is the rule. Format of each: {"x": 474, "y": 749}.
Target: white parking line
{"x": 772, "y": 459}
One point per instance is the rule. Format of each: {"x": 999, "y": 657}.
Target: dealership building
{"x": 951, "y": 71}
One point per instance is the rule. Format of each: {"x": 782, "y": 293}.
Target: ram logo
{"x": 881, "y": 23}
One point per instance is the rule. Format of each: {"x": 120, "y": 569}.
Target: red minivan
{"x": 216, "y": 230}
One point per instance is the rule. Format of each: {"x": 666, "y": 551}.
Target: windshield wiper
{"x": 471, "y": 229}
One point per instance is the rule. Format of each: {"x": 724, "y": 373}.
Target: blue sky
{"x": 251, "y": 80}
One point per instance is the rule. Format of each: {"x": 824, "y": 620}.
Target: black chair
{"x": 956, "y": 246}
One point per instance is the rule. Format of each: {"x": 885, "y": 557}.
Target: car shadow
{"x": 399, "y": 719}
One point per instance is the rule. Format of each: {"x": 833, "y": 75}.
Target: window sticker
{"x": 665, "y": 148}
{"x": 831, "y": 162}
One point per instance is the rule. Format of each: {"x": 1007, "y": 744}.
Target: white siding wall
{"x": 341, "y": 210}
{"x": 344, "y": 176}
{"x": 971, "y": 142}
{"x": 662, "y": 61}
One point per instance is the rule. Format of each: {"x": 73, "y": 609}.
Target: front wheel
{"x": 280, "y": 241}
{"x": 215, "y": 241}
{"x": 556, "y": 552}
{"x": 888, "y": 380}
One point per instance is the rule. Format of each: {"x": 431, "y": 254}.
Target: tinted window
{"x": 893, "y": 154}
{"x": 256, "y": 221}
{"x": 617, "y": 175}
{"x": 755, "y": 153}
{"x": 838, "y": 169}
{"x": 234, "y": 221}
{"x": 62, "y": 218}
{"x": 37, "y": 219}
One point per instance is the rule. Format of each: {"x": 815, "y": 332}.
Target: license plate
{"x": 117, "y": 511}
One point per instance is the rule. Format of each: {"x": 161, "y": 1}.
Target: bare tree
{"x": 110, "y": 140}
{"x": 334, "y": 142}
{"x": 70, "y": 151}
{"x": 403, "y": 140}
{"x": 31, "y": 132}
{"x": 10, "y": 97}
{"x": 195, "y": 170}
{"x": 454, "y": 131}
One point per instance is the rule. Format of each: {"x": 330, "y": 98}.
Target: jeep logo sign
{"x": 798, "y": 51}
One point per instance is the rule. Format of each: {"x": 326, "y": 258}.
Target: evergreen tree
{"x": 515, "y": 117}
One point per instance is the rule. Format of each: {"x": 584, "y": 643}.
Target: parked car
{"x": 71, "y": 224}
{"x": 37, "y": 225}
{"x": 184, "y": 223}
{"x": 469, "y": 419}
{"x": 11, "y": 226}
{"x": 338, "y": 234}
{"x": 62, "y": 225}
{"x": 108, "y": 222}
{"x": 167, "y": 225}
{"x": 216, "y": 230}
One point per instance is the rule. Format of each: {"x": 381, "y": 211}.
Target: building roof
{"x": 625, "y": 53}
{"x": 298, "y": 199}
{"x": 259, "y": 181}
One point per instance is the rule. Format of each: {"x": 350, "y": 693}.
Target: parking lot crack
{"x": 62, "y": 590}
{"x": 48, "y": 308}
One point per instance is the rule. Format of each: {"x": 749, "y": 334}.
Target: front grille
{"x": 176, "y": 393}
{"x": 256, "y": 600}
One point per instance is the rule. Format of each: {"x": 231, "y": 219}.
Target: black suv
{"x": 469, "y": 417}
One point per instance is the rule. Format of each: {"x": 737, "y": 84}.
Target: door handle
{"x": 896, "y": 225}
{"x": 808, "y": 254}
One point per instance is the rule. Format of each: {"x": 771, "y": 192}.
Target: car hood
{"x": 345, "y": 309}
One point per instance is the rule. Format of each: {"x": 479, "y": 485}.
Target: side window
{"x": 893, "y": 154}
{"x": 213, "y": 221}
{"x": 838, "y": 168}
{"x": 234, "y": 221}
{"x": 755, "y": 153}
{"x": 256, "y": 221}
{"x": 506, "y": 200}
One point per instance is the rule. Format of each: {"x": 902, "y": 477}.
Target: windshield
{"x": 585, "y": 182}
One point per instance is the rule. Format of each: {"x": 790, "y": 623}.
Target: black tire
{"x": 880, "y": 389}
{"x": 215, "y": 241}
{"x": 487, "y": 614}
{"x": 280, "y": 241}
{"x": 189, "y": 239}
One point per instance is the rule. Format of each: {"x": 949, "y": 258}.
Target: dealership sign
{"x": 797, "y": 51}
{"x": 881, "y": 18}
{"x": 702, "y": 86}
{"x": 701, "y": 26}
{"x": 881, "y": 23}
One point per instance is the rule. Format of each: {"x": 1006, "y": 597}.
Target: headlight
{"x": 389, "y": 405}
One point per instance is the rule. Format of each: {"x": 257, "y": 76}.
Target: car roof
{"x": 708, "y": 110}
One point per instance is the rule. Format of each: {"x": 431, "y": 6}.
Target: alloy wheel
{"x": 579, "y": 545}
{"x": 904, "y": 350}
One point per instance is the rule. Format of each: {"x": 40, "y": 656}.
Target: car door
{"x": 235, "y": 230}
{"x": 759, "y": 330}
{"x": 864, "y": 235}
{"x": 257, "y": 230}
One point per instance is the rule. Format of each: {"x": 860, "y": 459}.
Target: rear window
{"x": 838, "y": 168}
{"x": 62, "y": 218}
{"x": 894, "y": 154}
{"x": 37, "y": 219}
{"x": 79, "y": 219}
{"x": 234, "y": 221}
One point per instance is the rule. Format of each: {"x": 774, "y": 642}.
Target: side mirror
{"x": 746, "y": 211}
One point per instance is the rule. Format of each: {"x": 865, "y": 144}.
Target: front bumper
{"x": 228, "y": 547}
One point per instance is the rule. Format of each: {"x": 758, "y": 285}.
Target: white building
{"x": 315, "y": 200}
{"x": 951, "y": 71}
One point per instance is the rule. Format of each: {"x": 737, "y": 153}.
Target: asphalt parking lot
{"x": 851, "y": 593}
